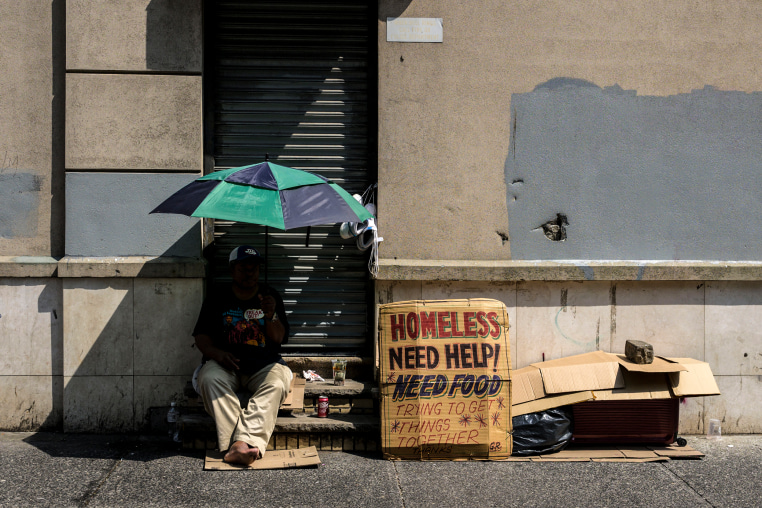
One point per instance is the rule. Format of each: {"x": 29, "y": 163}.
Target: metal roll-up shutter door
{"x": 291, "y": 81}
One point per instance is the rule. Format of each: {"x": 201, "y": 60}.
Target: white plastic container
{"x": 714, "y": 431}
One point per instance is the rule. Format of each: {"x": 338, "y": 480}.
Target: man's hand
{"x": 227, "y": 360}
{"x": 268, "y": 305}
{"x": 207, "y": 348}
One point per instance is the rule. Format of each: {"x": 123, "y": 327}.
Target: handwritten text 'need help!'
{"x": 481, "y": 352}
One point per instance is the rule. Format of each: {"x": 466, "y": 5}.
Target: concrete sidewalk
{"x": 48, "y": 469}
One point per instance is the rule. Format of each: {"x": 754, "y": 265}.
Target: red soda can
{"x": 322, "y": 406}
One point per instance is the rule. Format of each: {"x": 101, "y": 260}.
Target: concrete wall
{"x": 446, "y": 111}
{"x": 716, "y": 322}
{"x": 631, "y": 124}
{"x": 31, "y": 134}
{"x": 97, "y": 298}
{"x": 94, "y": 354}
{"x": 127, "y": 347}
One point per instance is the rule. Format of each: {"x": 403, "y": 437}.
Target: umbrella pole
{"x": 267, "y": 237}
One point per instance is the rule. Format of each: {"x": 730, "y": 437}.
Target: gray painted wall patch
{"x": 19, "y": 203}
{"x": 598, "y": 173}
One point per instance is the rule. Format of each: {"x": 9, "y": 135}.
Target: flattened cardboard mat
{"x": 622, "y": 453}
{"x": 445, "y": 380}
{"x": 274, "y": 459}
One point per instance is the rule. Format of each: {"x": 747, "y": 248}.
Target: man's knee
{"x": 213, "y": 377}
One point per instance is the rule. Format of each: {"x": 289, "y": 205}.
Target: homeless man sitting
{"x": 240, "y": 331}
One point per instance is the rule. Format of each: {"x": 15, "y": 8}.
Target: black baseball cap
{"x": 244, "y": 253}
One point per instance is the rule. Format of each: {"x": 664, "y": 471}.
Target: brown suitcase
{"x": 652, "y": 421}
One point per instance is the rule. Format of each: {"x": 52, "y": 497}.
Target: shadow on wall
{"x": 123, "y": 346}
{"x": 173, "y": 36}
{"x": 392, "y": 8}
{"x": 603, "y": 173}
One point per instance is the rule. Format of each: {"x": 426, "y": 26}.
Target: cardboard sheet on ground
{"x": 624, "y": 453}
{"x": 445, "y": 380}
{"x": 273, "y": 459}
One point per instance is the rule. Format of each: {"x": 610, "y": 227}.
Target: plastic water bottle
{"x": 172, "y": 416}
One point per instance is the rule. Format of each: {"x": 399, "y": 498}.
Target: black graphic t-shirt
{"x": 238, "y": 326}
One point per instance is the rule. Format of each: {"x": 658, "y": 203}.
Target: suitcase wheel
{"x": 681, "y": 441}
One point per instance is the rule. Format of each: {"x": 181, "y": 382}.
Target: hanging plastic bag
{"x": 365, "y": 233}
{"x": 542, "y": 432}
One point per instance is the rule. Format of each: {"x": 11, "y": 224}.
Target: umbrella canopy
{"x": 266, "y": 194}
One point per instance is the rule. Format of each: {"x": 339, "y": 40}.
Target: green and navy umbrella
{"x": 267, "y": 194}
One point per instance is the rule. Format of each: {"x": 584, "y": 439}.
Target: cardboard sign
{"x": 445, "y": 380}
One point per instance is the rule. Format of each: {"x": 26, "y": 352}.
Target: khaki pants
{"x": 254, "y": 424}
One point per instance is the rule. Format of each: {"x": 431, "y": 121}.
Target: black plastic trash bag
{"x": 543, "y": 432}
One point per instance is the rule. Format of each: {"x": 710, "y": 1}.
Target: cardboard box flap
{"x": 545, "y": 403}
{"x": 659, "y": 365}
{"x": 527, "y": 385}
{"x": 638, "y": 386}
{"x": 696, "y": 381}
{"x": 589, "y": 371}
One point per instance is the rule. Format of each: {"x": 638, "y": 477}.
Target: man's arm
{"x": 208, "y": 349}
{"x": 274, "y": 328}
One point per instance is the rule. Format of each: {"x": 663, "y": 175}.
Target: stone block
{"x": 99, "y": 404}
{"x": 363, "y": 404}
{"x": 98, "y": 327}
{"x": 31, "y": 327}
{"x": 668, "y": 315}
{"x": 165, "y": 314}
{"x": 639, "y": 352}
{"x": 157, "y": 35}
{"x": 337, "y": 442}
{"x": 734, "y": 327}
{"x": 31, "y": 403}
{"x": 558, "y": 319}
{"x": 100, "y": 223}
{"x": 129, "y": 121}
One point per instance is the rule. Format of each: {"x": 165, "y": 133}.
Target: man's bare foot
{"x": 241, "y": 453}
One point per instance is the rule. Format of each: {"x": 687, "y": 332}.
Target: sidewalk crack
{"x": 399, "y": 484}
{"x": 89, "y": 496}
{"x": 690, "y": 487}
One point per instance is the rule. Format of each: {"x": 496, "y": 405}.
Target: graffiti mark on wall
{"x": 592, "y": 343}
